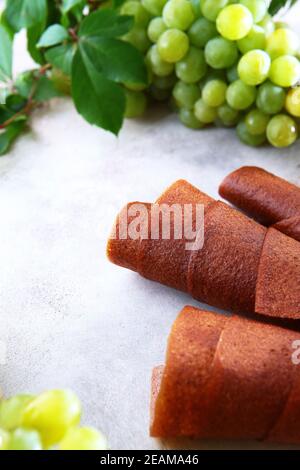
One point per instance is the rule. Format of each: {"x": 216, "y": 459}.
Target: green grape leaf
{"x": 33, "y": 35}
{"x": 105, "y": 23}
{"x": 25, "y": 13}
{"x": 61, "y": 57}
{"x": 15, "y": 103}
{"x": 5, "y": 53}
{"x": 277, "y": 5}
{"x": 24, "y": 83}
{"x": 102, "y": 62}
{"x": 4, "y": 22}
{"x": 45, "y": 89}
{"x": 38, "y": 87}
{"x": 118, "y": 3}
{"x": 117, "y": 60}
{"x": 3, "y": 94}
{"x": 10, "y": 133}
{"x": 53, "y": 35}
{"x": 5, "y": 114}
{"x": 98, "y": 100}
{"x": 67, "y": 5}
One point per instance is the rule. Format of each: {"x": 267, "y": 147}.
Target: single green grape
{"x": 255, "y": 39}
{"x": 186, "y": 95}
{"x": 270, "y": 98}
{"x": 285, "y": 71}
{"x": 24, "y": 439}
{"x": 52, "y": 413}
{"x": 192, "y": 67}
{"x": 136, "y": 104}
{"x": 267, "y": 23}
{"x": 85, "y": 438}
{"x": 220, "y": 53}
{"x": 201, "y": 32}
{"x": 254, "y": 67}
{"x": 157, "y": 65}
{"x": 136, "y": 9}
{"x": 211, "y": 8}
{"x": 173, "y": 45}
{"x": 188, "y": 118}
{"x": 138, "y": 37}
{"x": 232, "y": 74}
{"x": 11, "y": 411}
{"x": 256, "y": 122}
{"x": 165, "y": 83}
{"x": 240, "y": 95}
{"x": 292, "y": 103}
{"x": 214, "y": 93}
{"x": 228, "y": 116}
{"x": 205, "y": 114}
{"x": 234, "y": 22}
{"x": 4, "y": 439}
{"x": 247, "y": 138}
{"x": 178, "y": 14}
{"x": 258, "y": 8}
{"x": 155, "y": 7}
{"x": 156, "y": 27}
{"x": 282, "y": 131}
{"x": 282, "y": 41}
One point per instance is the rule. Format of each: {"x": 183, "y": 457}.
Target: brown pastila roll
{"x": 225, "y": 271}
{"x": 291, "y": 227}
{"x": 227, "y": 377}
{"x": 278, "y": 283}
{"x": 267, "y": 198}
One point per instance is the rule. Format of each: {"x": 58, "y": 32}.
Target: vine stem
{"x": 26, "y": 110}
{"x": 30, "y": 104}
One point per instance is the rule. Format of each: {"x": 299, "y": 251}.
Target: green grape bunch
{"x": 222, "y": 62}
{"x": 216, "y": 62}
{"x": 49, "y": 421}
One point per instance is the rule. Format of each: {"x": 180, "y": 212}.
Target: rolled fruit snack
{"x": 265, "y": 197}
{"x": 227, "y": 377}
{"x": 225, "y": 271}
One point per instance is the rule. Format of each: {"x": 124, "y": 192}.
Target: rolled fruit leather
{"x": 225, "y": 271}
{"x": 266, "y": 197}
{"x": 227, "y": 377}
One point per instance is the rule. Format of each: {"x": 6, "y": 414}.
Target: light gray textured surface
{"x": 69, "y": 317}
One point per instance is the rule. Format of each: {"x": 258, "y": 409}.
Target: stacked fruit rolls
{"x": 227, "y": 377}
{"x": 265, "y": 197}
{"x": 241, "y": 266}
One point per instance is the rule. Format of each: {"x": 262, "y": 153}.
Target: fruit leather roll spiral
{"x": 224, "y": 272}
{"x": 164, "y": 261}
{"x": 266, "y": 197}
{"x": 278, "y": 281}
{"x": 227, "y": 377}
